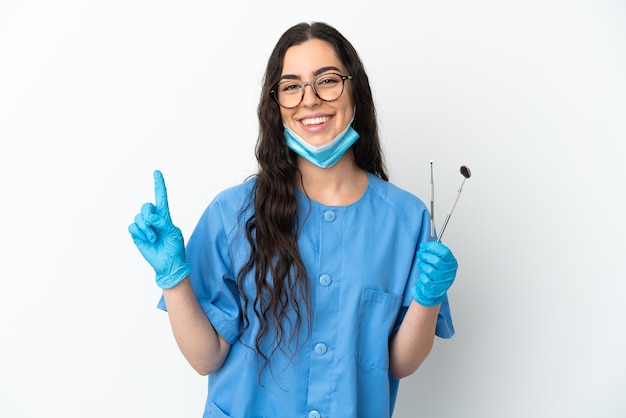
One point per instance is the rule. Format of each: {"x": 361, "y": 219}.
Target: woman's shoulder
{"x": 232, "y": 201}
{"x": 397, "y": 205}
{"x": 237, "y": 193}
{"x": 395, "y": 196}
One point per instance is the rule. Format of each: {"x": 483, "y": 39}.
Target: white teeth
{"x": 315, "y": 121}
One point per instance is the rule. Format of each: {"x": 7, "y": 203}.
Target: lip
{"x": 313, "y": 125}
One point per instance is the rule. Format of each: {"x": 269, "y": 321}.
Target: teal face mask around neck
{"x": 326, "y": 155}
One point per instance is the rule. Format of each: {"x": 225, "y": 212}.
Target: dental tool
{"x": 432, "y": 203}
{"x": 466, "y": 173}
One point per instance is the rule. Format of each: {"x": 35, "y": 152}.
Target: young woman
{"x": 310, "y": 289}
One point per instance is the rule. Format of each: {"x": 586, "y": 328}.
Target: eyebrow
{"x": 315, "y": 73}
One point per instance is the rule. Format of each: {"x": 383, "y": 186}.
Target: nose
{"x": 310, "y": 97}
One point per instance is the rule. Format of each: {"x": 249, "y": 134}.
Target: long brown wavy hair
{"x": 281, "y": 281}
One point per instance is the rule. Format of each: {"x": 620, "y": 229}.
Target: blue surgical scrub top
{"x": 361, "y": 263}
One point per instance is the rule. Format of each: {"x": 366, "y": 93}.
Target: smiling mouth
{"x": 315, "y": 121}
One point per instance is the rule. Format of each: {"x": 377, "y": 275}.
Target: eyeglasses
{"x": 327, "y": 87}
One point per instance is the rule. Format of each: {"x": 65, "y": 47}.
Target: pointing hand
{"x": 160, "y": 242}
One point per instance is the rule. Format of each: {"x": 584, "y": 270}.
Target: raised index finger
{"x": 160, "y": 194}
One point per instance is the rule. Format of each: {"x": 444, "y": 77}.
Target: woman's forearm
{"x": 202, "y": 346}
{"x": 412, "y": 343}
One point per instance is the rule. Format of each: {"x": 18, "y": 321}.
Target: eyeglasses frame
{"x": 311, "y": 83}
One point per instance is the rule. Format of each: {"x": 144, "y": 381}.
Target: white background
{"x": 95, "y": 95}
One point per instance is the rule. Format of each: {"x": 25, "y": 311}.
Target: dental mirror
{"x": 466, "y": 173}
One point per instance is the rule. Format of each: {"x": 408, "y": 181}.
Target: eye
{"x": 328, "y": 80}
{"x": 288, "y": 87}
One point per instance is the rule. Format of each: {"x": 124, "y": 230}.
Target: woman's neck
{"x": 339, "y": 185}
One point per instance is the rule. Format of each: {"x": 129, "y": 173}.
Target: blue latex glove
{"x": 437, "y": 267}
{"x": 159, "y": 241}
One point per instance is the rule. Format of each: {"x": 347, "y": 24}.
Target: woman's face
{"x": 315, "y": 120}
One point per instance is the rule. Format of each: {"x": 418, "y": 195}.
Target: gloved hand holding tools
{"x": 437, "y": 267}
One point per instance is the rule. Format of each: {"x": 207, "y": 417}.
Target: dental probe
{"x": 432, "y": 203}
